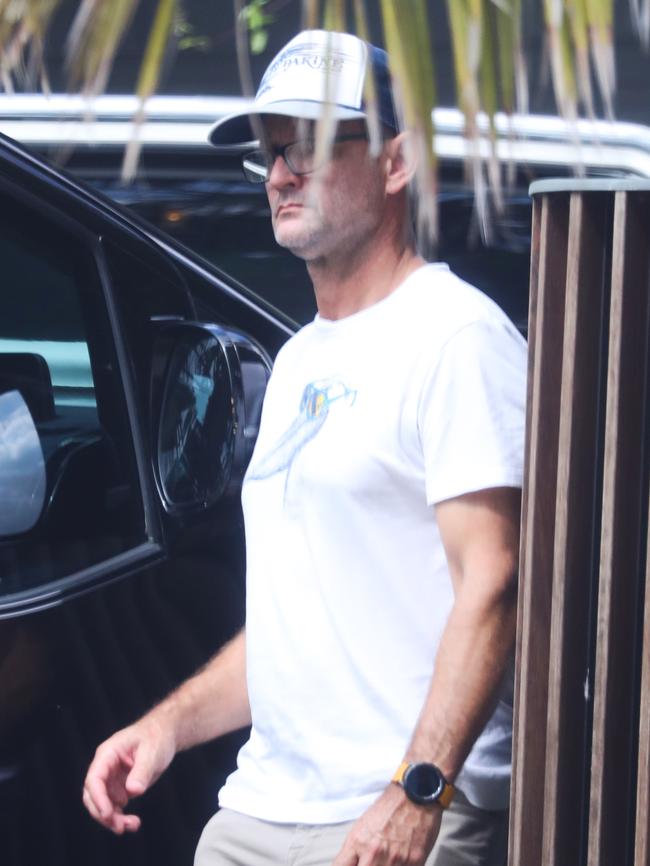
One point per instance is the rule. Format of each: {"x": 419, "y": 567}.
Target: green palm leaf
{"x": 577, "y": 18}
{"x": 407, "y": 42}
{"x": 149, "y": 77}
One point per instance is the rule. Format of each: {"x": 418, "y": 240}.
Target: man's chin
{"x": 293, "y": 242}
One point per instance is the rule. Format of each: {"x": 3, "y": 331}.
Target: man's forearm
{"x": 472, "y": 656}
{"x": 211, "y": 703}
{"x": 474, "y": 652}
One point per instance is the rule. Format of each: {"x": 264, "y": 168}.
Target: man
{"x": 381, "y": 509}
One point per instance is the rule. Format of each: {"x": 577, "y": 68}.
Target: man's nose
{"x": 280, "y": 175}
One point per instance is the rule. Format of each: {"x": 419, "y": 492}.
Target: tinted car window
{"x": 57, "y": 359}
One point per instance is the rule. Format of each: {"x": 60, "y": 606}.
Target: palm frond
{"x": 521, "y": 71}
{"x": 577, "y": 19}
{"x": 561, "y": 55}
{"x": 640, "y": 10}
{"x": 150, "y": 71}
{"x": 326, "y": 126}
{"x": 600, "y": 20}
{"x": 156, "y": 48}
{"x": 23, "y": 27}
{"x": 310, "y": 14}
{"x": 490, "y": 78}
{"x": 80, "y": 26}
{"x": 408, "y": 44}
{"x": 370, "y": 90}
{"x": 513, "y": 75}
{"x": 506, "y": 36}
{"x": 94, "y": 40}
{"x": 334, "y": 17}
{"x": 465, "y": 19}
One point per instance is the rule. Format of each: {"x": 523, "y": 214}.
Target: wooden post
{"x": 581, "y": 763}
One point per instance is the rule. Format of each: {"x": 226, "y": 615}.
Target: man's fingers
{"x": 347, "y": 856}
{"x": 96, "y": 798}
{"x": 375, "y": 854}
{"x": 105, "y": 793}
{"x": 125, "y": 766}
{"x": 346, "y": 859}
{"x": 127, "y": 823}
{"x": 113, "y": 819}
{"x": 112, "y": 780}
{"x": 90, "y": 804}
{"x": 367, "y": 855}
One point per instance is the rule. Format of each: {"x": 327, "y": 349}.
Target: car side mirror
{"x": 22, "y": 466}
{"x": 208, "y": 385}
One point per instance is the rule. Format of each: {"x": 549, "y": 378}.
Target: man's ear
{"x": 401, "y": 162}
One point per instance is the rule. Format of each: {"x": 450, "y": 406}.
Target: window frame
{"x": 152, "y": 549}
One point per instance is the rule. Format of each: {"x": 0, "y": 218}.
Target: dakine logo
{"x": 330, "y": 61}
{"x": 314, "y": 61}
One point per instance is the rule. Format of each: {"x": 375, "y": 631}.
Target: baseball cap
{"x": 316, "y": 68}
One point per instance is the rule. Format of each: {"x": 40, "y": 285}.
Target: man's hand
{"x": 392, "y": 832}
{"x": 125, "y": 766}
{"x": 211, "y": 703}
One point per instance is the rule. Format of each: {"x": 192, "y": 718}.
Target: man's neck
{"x": 345, "y": 287}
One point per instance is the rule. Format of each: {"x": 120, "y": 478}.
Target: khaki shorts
{"x": 468, "y": 837}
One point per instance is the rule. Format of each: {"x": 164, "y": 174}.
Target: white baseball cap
{"x": 316, "y": 68}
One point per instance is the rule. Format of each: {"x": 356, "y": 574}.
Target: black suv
{"x": 131, "y": 381}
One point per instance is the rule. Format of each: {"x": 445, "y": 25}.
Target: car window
{"x": 59, "y": 374}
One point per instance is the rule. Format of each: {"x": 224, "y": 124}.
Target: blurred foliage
{"x": 486, "y": 37}
{"x": 256, "y": 20}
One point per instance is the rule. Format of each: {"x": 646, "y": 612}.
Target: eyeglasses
{"x": 300, "y": 157}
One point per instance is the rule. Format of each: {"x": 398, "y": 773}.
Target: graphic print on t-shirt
{"x": 314, "y": 408}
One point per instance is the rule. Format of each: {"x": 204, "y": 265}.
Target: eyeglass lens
{"x": 298, "y": 155}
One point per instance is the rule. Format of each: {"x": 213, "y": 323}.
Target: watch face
{"x": 423, "y": 783}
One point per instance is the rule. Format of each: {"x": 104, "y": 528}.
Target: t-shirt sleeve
{"x": 471, "y": 412}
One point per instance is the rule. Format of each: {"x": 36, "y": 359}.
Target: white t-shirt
{"x": 367, "y": 422}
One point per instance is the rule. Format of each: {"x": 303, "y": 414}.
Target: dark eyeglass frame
{"x": 270, "y": 154}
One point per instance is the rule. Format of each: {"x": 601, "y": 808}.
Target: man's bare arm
{"x": 480, "y": 533}
{"x": 211, "y": 703}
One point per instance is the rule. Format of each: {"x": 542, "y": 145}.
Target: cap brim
{"x": 236, "y": 132}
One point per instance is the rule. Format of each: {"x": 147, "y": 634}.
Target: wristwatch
{"x": 424, "y": 784}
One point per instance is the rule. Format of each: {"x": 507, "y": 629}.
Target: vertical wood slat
{"x": 548, "y": 275}
{"x": 576, "y": 524}
{"x": 624, "y": 497}
{"x": 642, "y": 828}
{"x": 642, "y": 822}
